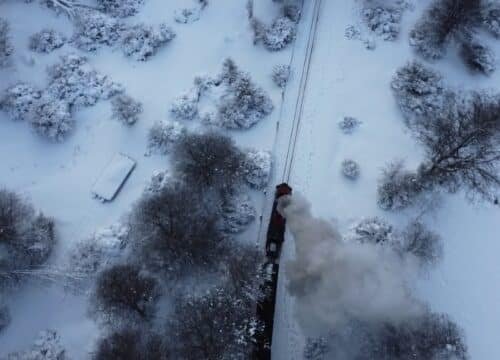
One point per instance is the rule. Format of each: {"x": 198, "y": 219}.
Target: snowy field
{"x": 347, "y": 77}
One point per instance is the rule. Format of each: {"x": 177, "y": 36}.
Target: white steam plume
{"x": 334, "y": 281}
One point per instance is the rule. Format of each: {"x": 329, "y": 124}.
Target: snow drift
{"x": 335, "y": 281}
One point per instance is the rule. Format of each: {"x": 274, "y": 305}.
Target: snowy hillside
{"x": 140, "y": 143}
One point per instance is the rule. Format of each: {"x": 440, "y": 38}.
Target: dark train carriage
{"x": 277, "y": 224}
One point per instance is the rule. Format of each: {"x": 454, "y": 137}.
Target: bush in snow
{"x": 216, "y": 325}
{"x": 185, "y": 107}
{"x": 120, "y": 8}
{"x": 257, "y": 168}
{"x": 187, "y": 15}
{"x": 348, "y": 124}
{"x": 124, "y": 291}
{"x": 209, "y": 160}
{"x": 443, "y": 21}
{"x": 46, "y": 347}
{"x": 94, "y": 29}
{"x": 281, "y": 74}
{"x": 398, "y": 188}
{"x": 46, "y": 41}
{"x": 26, "y": 238}
{"x": 280, "y": 34}
{"x": 52, "y": 118}
{"x": 372, "y": 230}
{"x": 422, "y": 243}
{"x": 177, "y": 228}
{"x": 383, "y": 21}
{"x": 477, "y": 56}
{"x": 126, "y": 109}
{"x": 243, "y": 103}
{"x": 350, "y": 169}
{"x": 143, "y": 41}
{"x": 74, "y": 81}
{"x": 19, "y": 101}
{"x": 419, "y": 90}
{"x": 6, "y": 48}
{"x": 133, "y": 344}
{"x": 490, "y": 17}
{"x": 163, "y": 136}
{"x": 4, "y": 317}
{"x": 237, "y": 213}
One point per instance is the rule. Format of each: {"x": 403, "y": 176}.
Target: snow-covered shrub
{"x": 47, "y": 346}
{"x": 257, "y": 168}
{"x": 46, "y": 41}
{"x": 104, "y": 247}
{"x": 26, "y": 238}
{"x": 237, "y": 212}
{"x": 348, "y": 124}
{"x": 243, "y": 103}
{"x": 209, "y": 160}
{"x": 126, "y": 292}
{"x": 185, "y": 106}
{"x": 398, "y": 188}
{"x": 443, "y": 21}
{"x": 419, "y": 90}
{"x": 383, "y": 21}
{"x": 19, "y": 101}
{"x": 73, "y": 80}
{"x": 94, "y": 29}
{"x": 350, "y": 169}
{"x": 6, "y": 48}
{"x": 187, "y": 15}
{"x": 132, "y": 344}
{"x": 280, "y": 34}
{"x": 478, "y": 57}
{"x": 120, "y": 8}
{"x": 159, "y": 180}
{"x": 163, "y": 136}
{"x": 177, "y": 229}
{"x": 281, "y": 74}
{"x": 126, "y": 109}
{"x": 372, "y": 230}
{"x": 143, "y": 41}
{"x": 292, "y": 10}
{"x": 215, "y": 325}
{"x": 4, "y": 317}
{"x": 491, "y": 17}
{"x": 52, "y": 118}
{"x": 422, "y": 243}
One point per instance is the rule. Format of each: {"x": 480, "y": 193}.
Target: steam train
{"x": 277, "y": 224}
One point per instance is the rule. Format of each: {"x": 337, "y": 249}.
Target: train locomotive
{"x": 277, "y": 225}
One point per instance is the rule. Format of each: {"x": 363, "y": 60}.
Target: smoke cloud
{"x": 335, "y": 281}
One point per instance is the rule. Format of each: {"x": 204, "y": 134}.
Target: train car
{"x": 277, "y": 224}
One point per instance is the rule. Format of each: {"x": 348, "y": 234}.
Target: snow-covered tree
{"x": 46, "y": 41}
{"x": 383, "y": 21}
{"x": 52, "y": 118}
{"x": 237, "y": 212}
{"x": 279, "y": 34}
{"x": 477, "y": 56}
{"x": 216, "y": 325}
{"x": 316, "y": 348}
{"x": 490, "y": 17}
{"x": 177, "y": 229}
{"x": 163, "y": 136}
{"x": 281, "y": 74}
{"x": 47, "y": 346}
{"x": 143, "y": 41}
{"x": 422, "y": 243}
{"x": 94, "y": 29}
{"x": 6, "y": 47}
{"x": 185, "y": 106}
{"x": 26, "y": 237}
{"x": 372, "y": 230}
{"x": 126, "y": 292}
{"x": 19, "y": 101}
{"x": 419, "y": 90}
{"x": 209, "y": 160}
{"x": 120, "y": 8}
{"x": 74, "y": 81}
{"x": 243, "y": 104}
{"x": 398, "y": 188}
{"x": 257, "y": 168}
{"x": 350, "y": 169}
{"x": 126, "y": 109}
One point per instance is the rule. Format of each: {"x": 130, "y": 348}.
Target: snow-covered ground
{"x": 345, "y": 79}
